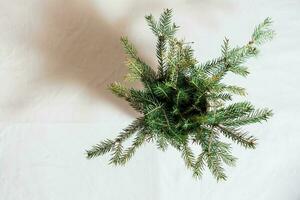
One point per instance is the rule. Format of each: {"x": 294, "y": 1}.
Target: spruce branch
{"x": 238, "y": 136}
{"x": 100, "y": 149}
{"x": 235, "y": 90}
{"x": 108, "y": 145}
{"x": 185, "y": 102}
{"x": 199, "y": 165}
{"x": 152, "y": 24}
{"x": 162, "y": 143}
{"x": 160, "y": 54}
{"x": 263, "y": 32}
{"x": 188, "y": 156}
{"x": 137, "y": 68}
{"x": 119, "y": 90}
{"x": 116, "y": 154}
{"x": 255, "y": 116}
{"x": 129, "y": 152}
{"x": 214, "y": 161}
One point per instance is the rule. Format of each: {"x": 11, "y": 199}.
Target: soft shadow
{"x": 81, "y": 48}
{"x": 78, "y": 47}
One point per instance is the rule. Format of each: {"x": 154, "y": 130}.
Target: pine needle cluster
{"x": 185, "y": 103}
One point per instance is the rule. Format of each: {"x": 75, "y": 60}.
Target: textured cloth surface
{"x": 56, "y": 58}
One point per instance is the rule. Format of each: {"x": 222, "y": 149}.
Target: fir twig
{"x": 185, "y": 101}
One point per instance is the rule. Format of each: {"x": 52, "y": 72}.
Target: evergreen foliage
{"x": 185, "y": 103}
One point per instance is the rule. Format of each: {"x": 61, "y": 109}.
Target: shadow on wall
{"x": 80, "y": 48}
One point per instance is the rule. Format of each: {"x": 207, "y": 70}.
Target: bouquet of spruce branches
{"x": 185, "y": 103}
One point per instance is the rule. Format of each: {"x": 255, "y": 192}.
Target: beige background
{"x": 56, "y": 58}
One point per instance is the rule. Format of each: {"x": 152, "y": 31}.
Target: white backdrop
{"x": 56, "y": 58}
